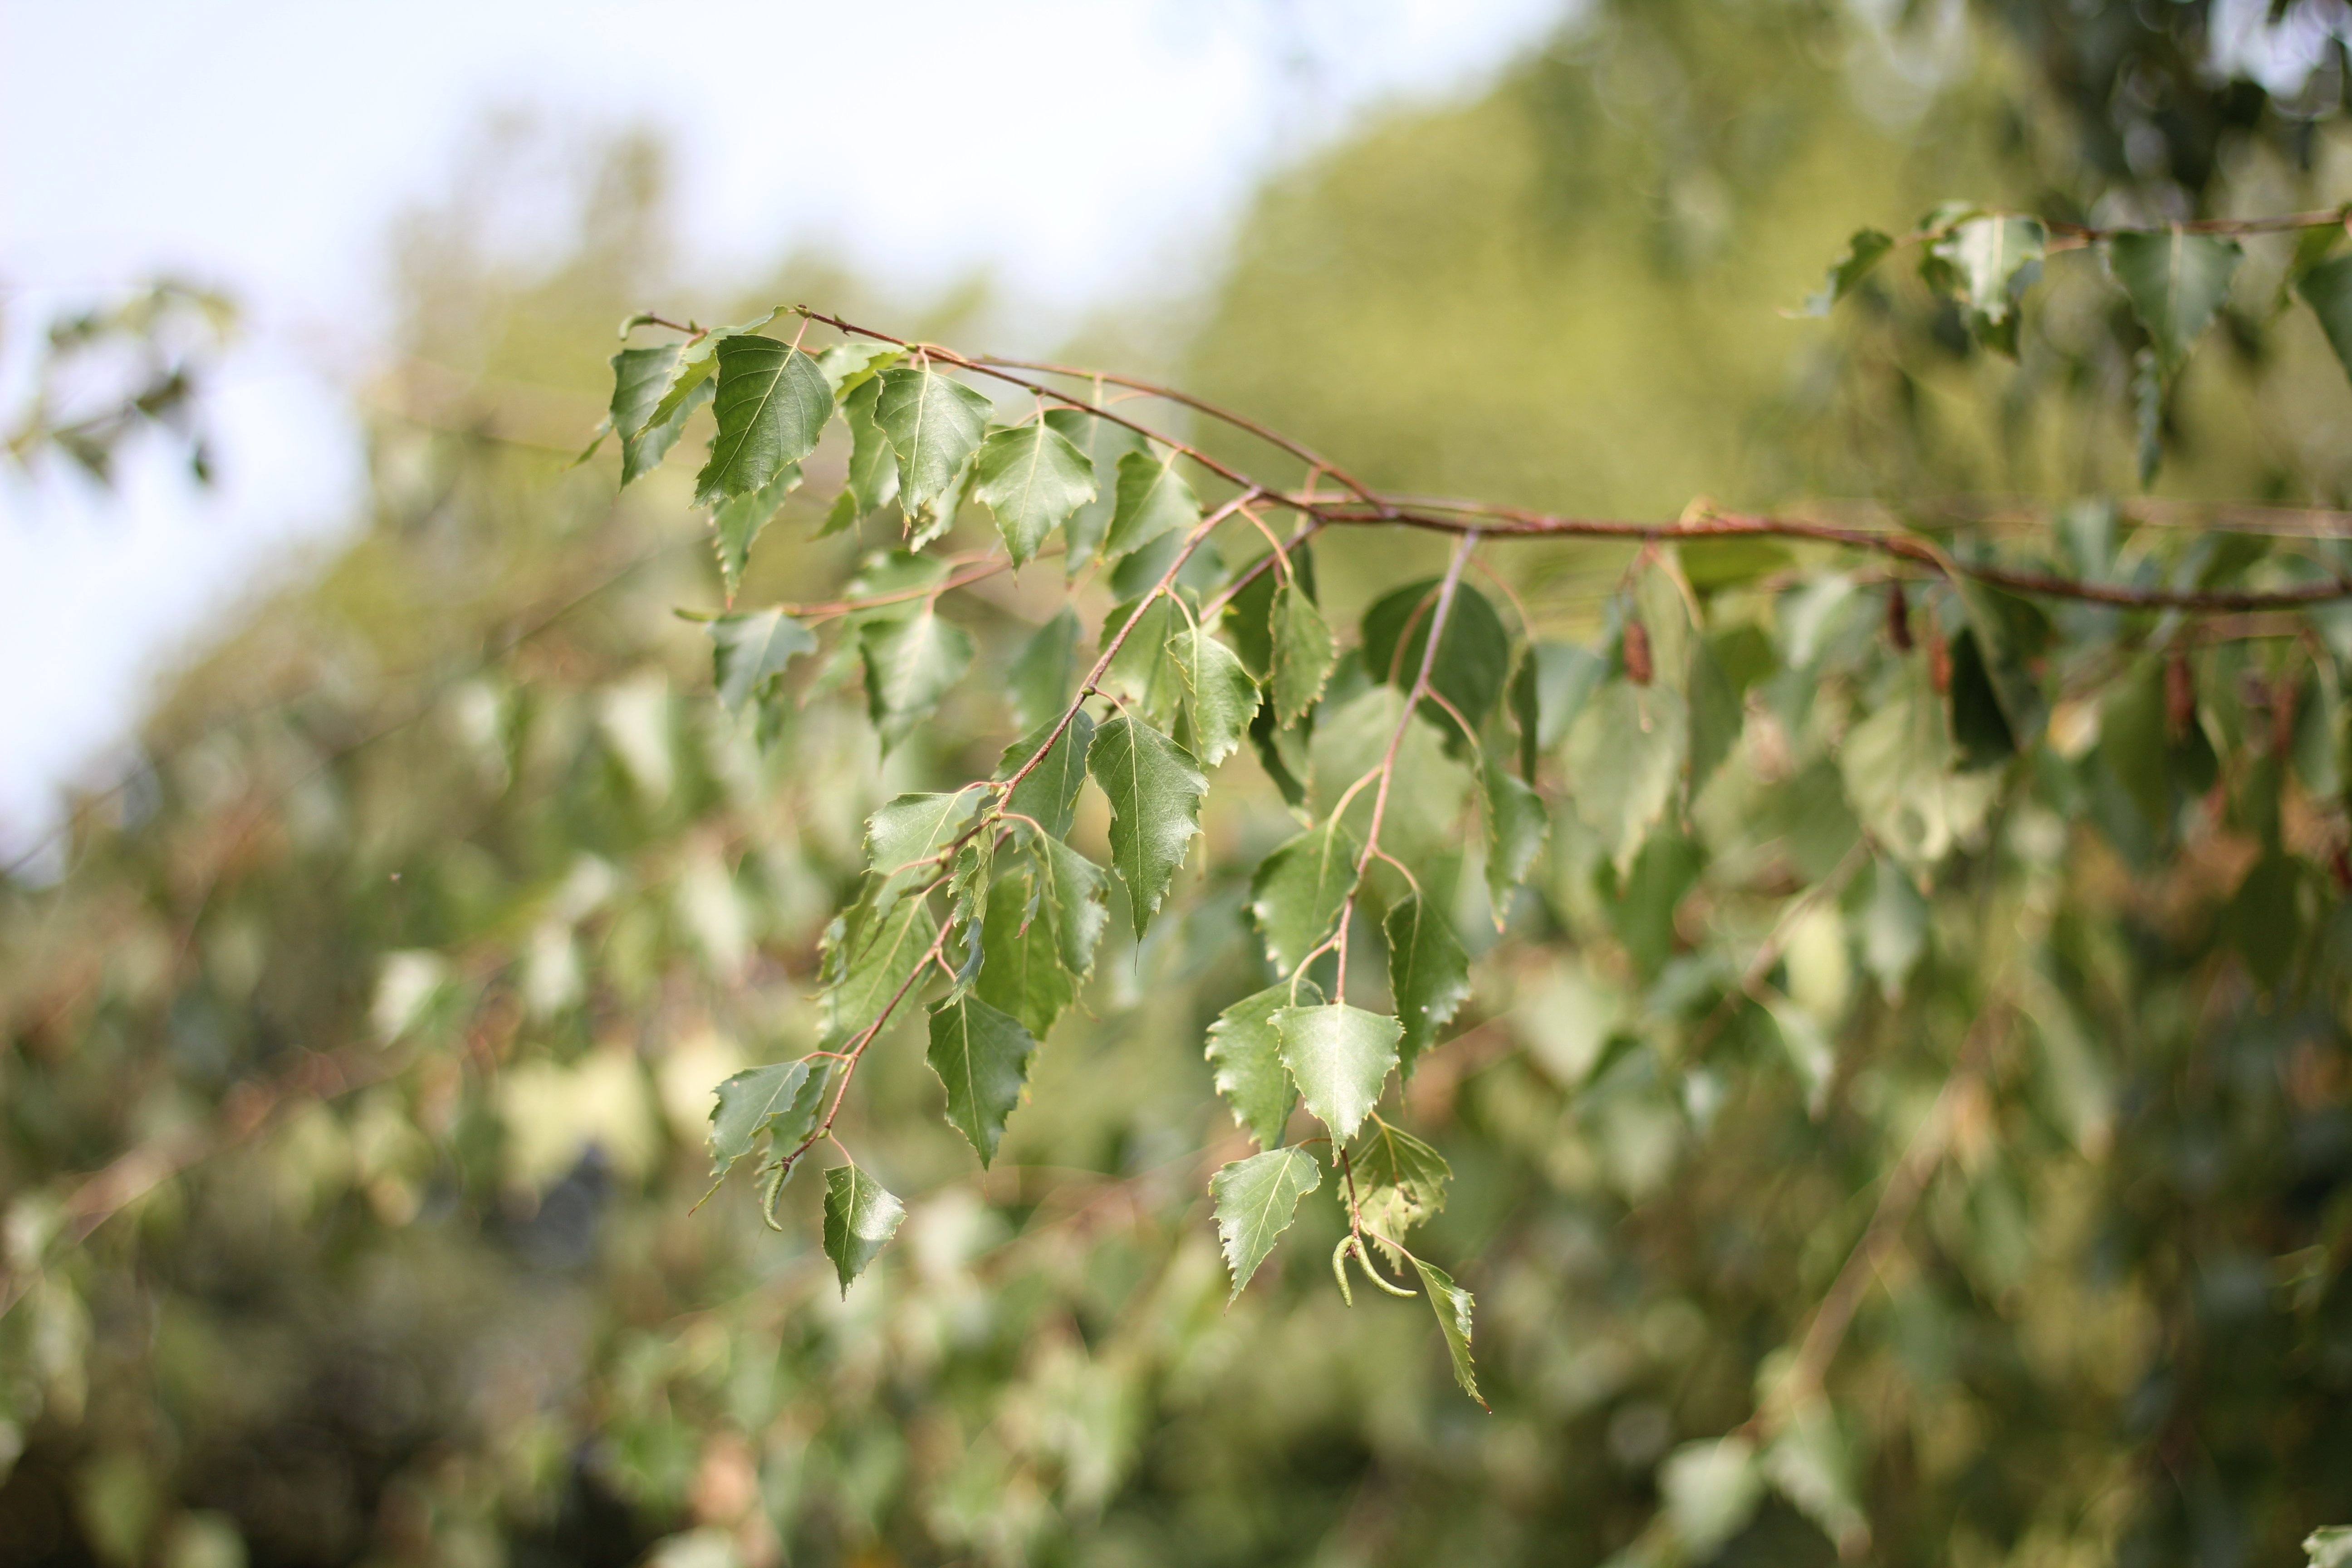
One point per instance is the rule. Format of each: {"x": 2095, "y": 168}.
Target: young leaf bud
{"x": 2179, "y": 696}
{"x": 1637, "y": 652}
{"x": 1898, "y": 618}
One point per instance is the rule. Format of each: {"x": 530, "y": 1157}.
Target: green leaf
{"x": 2316, "y": 746}
{"x": 2009, "y": 632}
{"x": 1517, "y": 826}
{"x": 1155, "y": 801}
{"x": 1809, "y": 1464}
{"x": 860, "y": 1218}
{"x": 771, "y": 405}
{"x": 1339, "y": 1056}
{"x": 1044, "y": 670}
{"x": 1244, "y": 1054}
{"x": 1553, "y": 684}
{"x": 982, "y": 1057}
{"x": 850, "y": 367}
{"x": 1454, "y": 1306}
{"x": 1143, "y": 673}
{"x": 1984, "y": 264}
{"x": 1893, "y": 928}
{"x": 1710, "y": 1489}
{"x": 934, "y": 423}
{"x": 1716, "y": 715}
{"x": 1249, "y": 619}
{"x": 1223, "y": 697}
{"x": 1153, "y": 499}
{"x": 1049, "y": 795}
{"x": 1072, "y": 904}
{"x": 2327, "y": 289}
{"x": 871, "y": 952}
{"x": 2263, "y": 920}
{"x": 1712, "y": 565}
{"x": 1625, "y": 756}
{"x": 2176, "y": 281}
{"x": 2148, "y": 413}
{"x": 1900, "y": 769}
{"x": 1022, "y": 974}
{"x": 1304, "y": 653}
{"x": 1641, "y": 908}
{"x": 1032, "y": 479}
{"x": 872, "y": 477}
{"x": 1297, "y": 892}
{"x": 1255, "y": 1201}
{"x": 1429, "y": 974}
{"x": 640, "y": 376}
{"x": 909, "y": 665}
{"x": 689, "y": 382}
{"x": 1282, "y": 754}
{"x": 783, "y": 1098}
{"x": 903, "y": 837}
{"x": 1473, "y": 656}
{"x": 1104, "y": 443}
{"x": 736, "y": 523}
{"x": 749, "y": 652}
{"x": 1427, "y": 790}
{"x": 1400, "y": 1180}
{"x": 899, "y": 573}
{"x": 2330, "y": 1547}
{"x": 935, "y": 516}
{"x": 1862, "y": 254}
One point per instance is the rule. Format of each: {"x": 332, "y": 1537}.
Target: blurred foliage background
{"x": 358, "y": 1060}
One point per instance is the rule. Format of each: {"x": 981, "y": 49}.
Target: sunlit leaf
{"x": 1153, "y": 499}
{"x": 1245, "y": 1055}
{"x": 934, "y": 424}
{"x": 1339, "y": 1056}
{"x": 1453, "y": 1307}
{"x": 1032, "y": 479}
{"x": 1255, "y": 1201}
{"x": 860, "y": 1218}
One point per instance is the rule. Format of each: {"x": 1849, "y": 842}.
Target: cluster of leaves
{"x": 975, "y": 898}
{"x": 976, "y": 893}
{"x": 106, "y": 374}
{"x": 2176, "y": 279}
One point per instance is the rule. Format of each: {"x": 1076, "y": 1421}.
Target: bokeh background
{"x": 388, "y": 1262}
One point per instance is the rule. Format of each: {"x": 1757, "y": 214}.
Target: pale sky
{"x": 1077, "y": 148}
